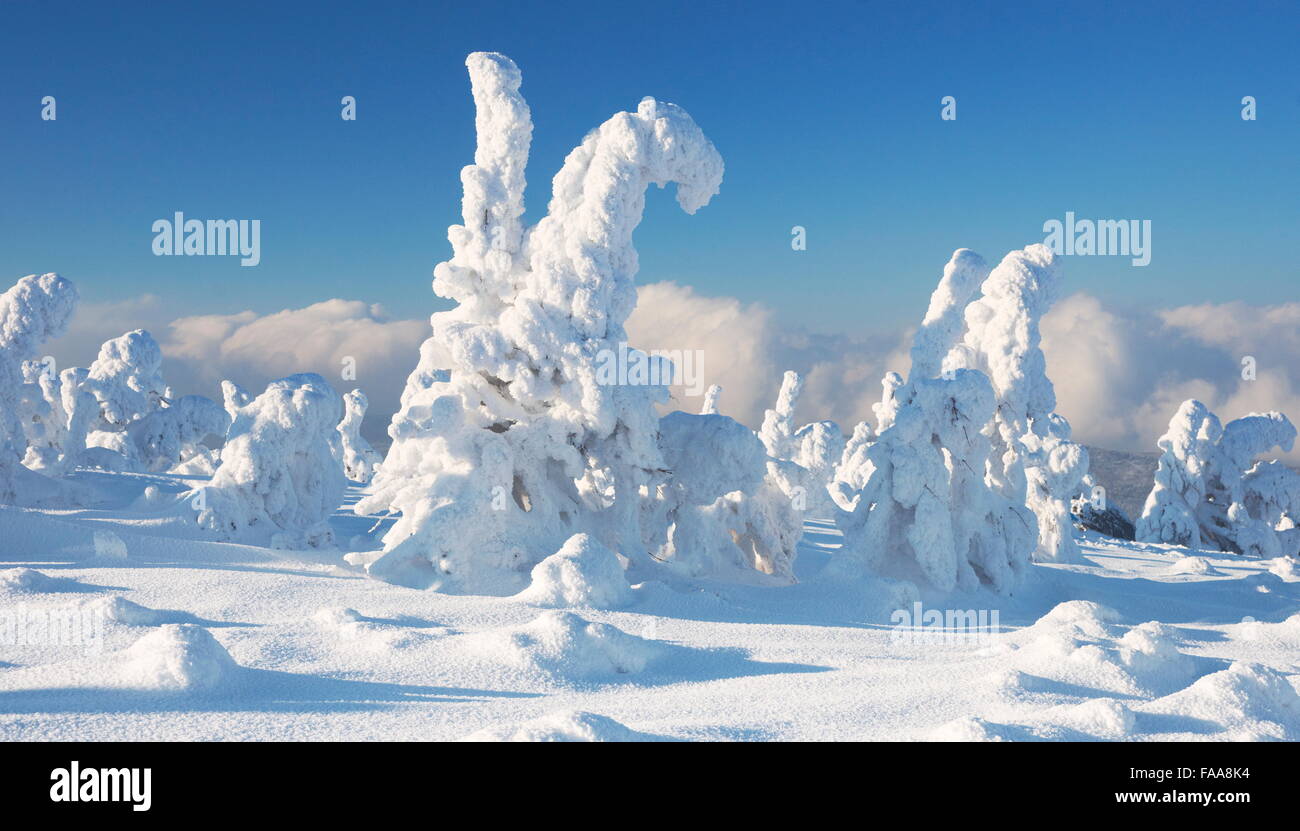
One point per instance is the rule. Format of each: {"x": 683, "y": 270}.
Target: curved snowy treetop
{"x": 34, "y": 310}
{"x": 537, "y": 304}
{"x": 1002, "y": 329}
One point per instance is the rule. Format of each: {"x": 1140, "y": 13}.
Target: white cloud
{"x": 1119, "y": 375}
{"x": 252, "y": 350}
{"x": 746, "y": 351}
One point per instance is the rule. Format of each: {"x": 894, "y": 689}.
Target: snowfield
{"x": 545, "y": 553}
{"x": 206, "y": 640}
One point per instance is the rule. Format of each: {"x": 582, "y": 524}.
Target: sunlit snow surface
{"x": 207, "y": 640}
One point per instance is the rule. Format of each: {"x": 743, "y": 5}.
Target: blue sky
{"x": 827, "y": 115}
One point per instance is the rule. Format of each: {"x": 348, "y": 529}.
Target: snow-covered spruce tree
{"x": 926, "y": 512}
{"x": 1033, "y": 460}
{"x": 854, "y": 467}
{"x": 43, "y": 418}
{"x": 777, "y": 431}
{"x": 122, "y": 386}
{"x": 1271, "y": 495}
{"x": 1187, "y": 450}
{"x": 32, "y": 311}
{"x": 358, "y": 458}
{"x": 725, "y": 514}
{"x": 818, "y": 448}
{"x": 711, "y": 396}
{"x": 521, "y": 445}
{"x": 1207, "y": 493}
{"x": 813, "y": 449}
{"x": 279, "y": 481}
{"x": 233, "y": 397}
{"x": 181, "y": 433}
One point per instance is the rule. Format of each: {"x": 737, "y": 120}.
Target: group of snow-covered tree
{"x": 517, "y": 445}
{"x": 119, "y": 415}
{"x": 510, "y": 445}
{"x": 1211, "y": 493}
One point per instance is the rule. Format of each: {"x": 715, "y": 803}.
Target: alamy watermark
{"x": 67, "y": 626}
{"x": 625, "y": 366}
{"x": 179, "y": 236}
{"x": 1100, "y": 237}
{"x": 944, "y": 627}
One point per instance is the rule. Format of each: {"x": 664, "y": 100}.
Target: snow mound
{"x": 583, "y": 573}
{"x": 179, "y": 657}
{"x": 1194, "y": 565}
{"x": 565, "y": 646}
{"x": 1080, "y": 643}
{"x": 1286, "y": 568}
{"x": 1102, "y": 718}
{"x": 1081, "y": 615}
{"x": 1248, "y": 702}
{"x": 31, "y": 581}
{"x": 336, "y": 616}
{"x": 121, "y": 610}
{"x": 966, "y": 729}
{"x": 562, "y": 726}
{"x": 1150, "y": 653}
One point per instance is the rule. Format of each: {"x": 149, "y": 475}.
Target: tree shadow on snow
{"x": 250, "y": 690}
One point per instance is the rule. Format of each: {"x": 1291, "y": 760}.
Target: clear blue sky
{"x": 827, "y": 115}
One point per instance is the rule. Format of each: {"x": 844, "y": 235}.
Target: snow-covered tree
{"x": 121, "y": 387}
{"x": 34, "y": 310}
{"x": 777, "y": 432}
{"x": 927, "y": 512}
{"x": 233, "y": 397}
{"x": 711, "y": 396}
{"x": 524, "y": 442}
{"x": 854, "y": 467}
{"x": 1188, "y": 449}
{"x": 181, "y": 433}
{"x": 724, "y": 512}
{"x": 814, "y": 449}
{"x": 44, "y": 420}
{"x": 279, "y": 481}
{"x": 1209, "y": 493}
{"x": 1034, "y": 462}
{"x": 358, "y": 458}
{"x": 818, "y": 448}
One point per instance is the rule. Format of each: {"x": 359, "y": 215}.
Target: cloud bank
{"x": 1119, "y": 375}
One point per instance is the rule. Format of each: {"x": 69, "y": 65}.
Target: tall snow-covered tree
{"x": 34, "y": 310}
{"x": 814, "y": 450}
{"x": 358, "y": 458}
{"x": 927, "y": 512}
{"x": 1034, "y": 462}
{"x": 521, "y": 444}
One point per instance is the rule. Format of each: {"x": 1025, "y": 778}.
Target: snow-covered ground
{"x": 195, "y": 639}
